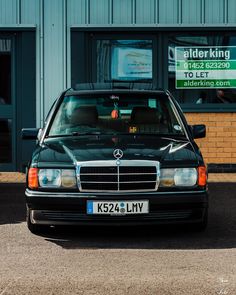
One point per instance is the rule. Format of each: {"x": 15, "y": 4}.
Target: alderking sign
{"x": 205, "y": 67}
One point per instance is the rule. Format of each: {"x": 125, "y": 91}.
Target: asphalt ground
{"x": 143, "y": 260}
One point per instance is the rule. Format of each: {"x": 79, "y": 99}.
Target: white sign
{"x": 131, "y": 63}
{"x": 205, "y": 67}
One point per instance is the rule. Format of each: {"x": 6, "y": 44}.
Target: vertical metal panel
{"x": 191, "y": 11}
{"x": 76, "y": 12}
{"x": 54, "y": 40}
{"x": 214, "y": 11}
{"x": 99, "y": 11}
{"x": 231, "y": 11}
{"x": 25, "y": 93}
{"x": 145, "y": 12}
{"x": 8, "y": 11}
{"x": 40, "y": 68}
{"x": 122, "y": 11}
{"x": 30, "y": 11}
{"x": 168, "y": 11}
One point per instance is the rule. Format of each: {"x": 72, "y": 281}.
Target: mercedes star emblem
{"x": 118, "y": 154}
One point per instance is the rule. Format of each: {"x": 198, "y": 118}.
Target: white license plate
{"x": 118, "y": 207}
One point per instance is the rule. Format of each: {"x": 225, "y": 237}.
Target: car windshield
{"x": 115, "y": 114}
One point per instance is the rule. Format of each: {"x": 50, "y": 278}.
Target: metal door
{"x": 7, "y": 104}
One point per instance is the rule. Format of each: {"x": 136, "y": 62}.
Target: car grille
{"x": 127, "y": 176}
{"x": 77, "y": 216}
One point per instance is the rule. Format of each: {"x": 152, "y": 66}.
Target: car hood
{"x": 67, "y": 151}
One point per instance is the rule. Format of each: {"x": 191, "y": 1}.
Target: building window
{"x": 124, "y": 60}
{"x": 202, "y": 69}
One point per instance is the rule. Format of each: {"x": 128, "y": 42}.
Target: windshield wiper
{"x": 76, "y": 133}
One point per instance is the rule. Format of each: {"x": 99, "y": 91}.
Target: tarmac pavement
{"x": 153, "y": 260}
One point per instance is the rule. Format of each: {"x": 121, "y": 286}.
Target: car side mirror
{"x": 30, "y": 133}
{"x": 198, "y": 131}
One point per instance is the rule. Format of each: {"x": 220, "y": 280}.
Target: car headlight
{"x": 178, "y": 177}
{"x": 49, "y": 177}
{"x": 56, "y": 178}
{"x": 185, "y": 177}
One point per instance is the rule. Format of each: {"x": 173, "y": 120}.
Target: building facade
{"x": 186, "y": 46}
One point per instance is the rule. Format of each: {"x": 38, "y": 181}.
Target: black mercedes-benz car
{"x": 113, "y": 155}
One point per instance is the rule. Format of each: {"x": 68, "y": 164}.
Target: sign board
{"x": 131, "y": 63}
{"x": 205, "y": 67}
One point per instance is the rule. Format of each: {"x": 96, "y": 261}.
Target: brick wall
{"x": 219, "y": 146}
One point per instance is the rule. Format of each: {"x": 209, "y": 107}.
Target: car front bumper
{"x": 59, "y": 208}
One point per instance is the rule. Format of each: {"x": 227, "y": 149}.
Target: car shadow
{"x": 12, "y": 203}
{"x": 220, "y": 233}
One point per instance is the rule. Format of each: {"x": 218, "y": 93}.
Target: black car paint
{"x": 170, "y": 151}
{"x": 85, "y": 148}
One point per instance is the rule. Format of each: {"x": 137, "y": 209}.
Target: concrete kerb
{"x": 12, "y": 177}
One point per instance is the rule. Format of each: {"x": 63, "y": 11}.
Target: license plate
{"x": 117, "y": 207}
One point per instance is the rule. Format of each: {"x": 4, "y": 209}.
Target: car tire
{"x": 34, "y": 228}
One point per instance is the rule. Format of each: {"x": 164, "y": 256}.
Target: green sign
{"x": 205, "y": 67}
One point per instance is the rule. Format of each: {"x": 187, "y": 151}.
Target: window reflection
{"x": 124, "y": 60}
{"x": 5, "y": 141}
{"x": 211, "y": 60}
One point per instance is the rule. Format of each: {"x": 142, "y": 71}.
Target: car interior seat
{"x": 84, "y": 115}
{"x": 147, "y": 120}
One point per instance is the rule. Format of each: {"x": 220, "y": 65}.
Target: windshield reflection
{"x": 115, "y": 114}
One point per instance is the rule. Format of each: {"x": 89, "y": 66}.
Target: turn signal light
{"x": 33, "y": 178}
{"x": 202, "y": 176}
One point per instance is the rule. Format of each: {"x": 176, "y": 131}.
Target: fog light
{"x": 68, "y": 178}
{"x": 167, "y": 177}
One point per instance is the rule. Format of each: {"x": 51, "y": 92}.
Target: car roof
{"x": 89, "y": 88}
